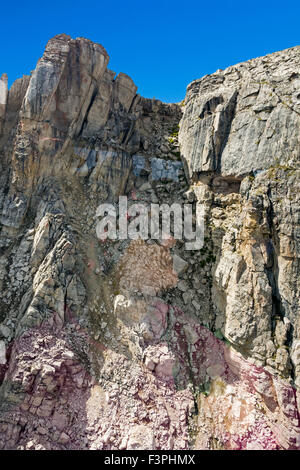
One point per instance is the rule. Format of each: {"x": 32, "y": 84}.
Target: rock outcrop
{"x": 233, "y": 118}
{"x": 142, "y": 344}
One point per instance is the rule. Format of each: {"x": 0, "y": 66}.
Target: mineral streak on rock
{"x": 141, "y": 344}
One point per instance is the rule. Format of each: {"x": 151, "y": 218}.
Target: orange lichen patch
{"x": 146, "y": 266}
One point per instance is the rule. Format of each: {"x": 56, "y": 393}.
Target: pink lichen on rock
{"x": 62, "y": 406}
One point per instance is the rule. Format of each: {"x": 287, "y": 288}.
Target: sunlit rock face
{"x": 233, "y": 118}
{"x": 143, "y": 344}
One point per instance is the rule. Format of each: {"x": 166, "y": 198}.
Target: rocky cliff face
{"x": 123, "y": 344}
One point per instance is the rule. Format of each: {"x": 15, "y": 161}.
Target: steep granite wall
{"x": 123, "y": 344}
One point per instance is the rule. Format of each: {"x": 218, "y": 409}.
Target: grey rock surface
{"x": 233, "y": 117}
{"x": 115, "y": 344}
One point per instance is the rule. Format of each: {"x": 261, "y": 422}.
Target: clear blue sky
{"x": 163, "y": 45}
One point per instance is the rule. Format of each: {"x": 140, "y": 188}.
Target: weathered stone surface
{"x": 115, "y": 344}
{"x": 179, "y": 264}
{"x": 2, "y": 353}
{"x": 15, "y": 96}
{"x": 232, "y": 118}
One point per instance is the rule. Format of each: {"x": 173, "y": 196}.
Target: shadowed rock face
{"x": 122, "y": 344}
